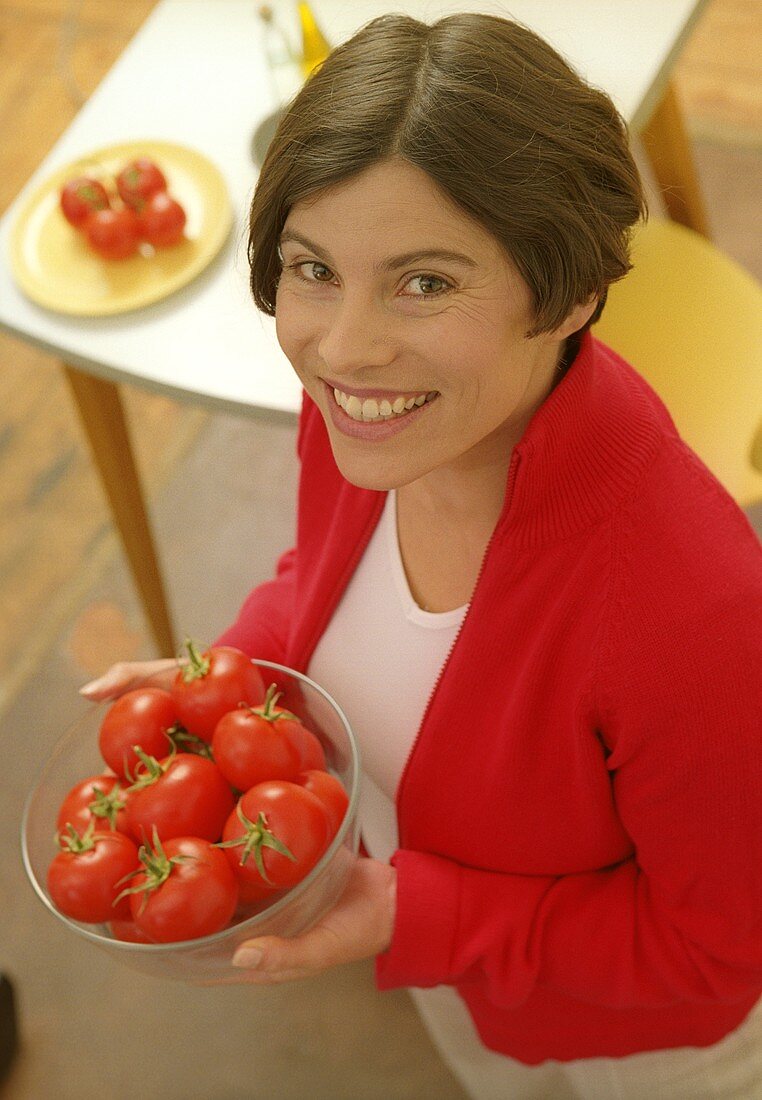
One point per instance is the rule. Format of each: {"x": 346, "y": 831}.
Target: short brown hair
{"x": 496, "y": 118}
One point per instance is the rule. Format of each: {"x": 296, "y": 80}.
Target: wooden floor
{"x": 53, "y": 517}
{"x": 720, "y": 74}
{"x": 55, "y": 532}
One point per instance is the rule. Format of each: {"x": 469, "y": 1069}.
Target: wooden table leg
{"x": 100, "y": 408}
{"x": 668, "y": 148}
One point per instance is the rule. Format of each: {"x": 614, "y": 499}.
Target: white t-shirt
{"x": 380, "y": 657}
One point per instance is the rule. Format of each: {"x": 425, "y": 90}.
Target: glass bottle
{"x": 282, "y": 61}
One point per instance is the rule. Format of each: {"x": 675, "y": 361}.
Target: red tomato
{"x": 331, "y": 793}
{"x": 138, "y": 180}
{"x": 99, "y": 799}
{"x": 142, "y": 717}
{"x": 86, "y": 877}
{"x": 127, "y": 930}
{"x": 312, "y": 752}
{"x": 113, "y": 234}
{"x": 274, "y": 837}
{"x": 186, "y": 889}
{"x": 252, "y": 744}
{"x": 213, "y": 683}
{"x": 81, "y": 197}
{"x": 183, "y": 795}
{"x": 161, "y": 220}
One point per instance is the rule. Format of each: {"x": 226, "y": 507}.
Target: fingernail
{"x": 91, "y": 688}
{"x": 248, "y": 958}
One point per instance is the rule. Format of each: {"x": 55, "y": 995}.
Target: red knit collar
{"x": 584, "y": 449}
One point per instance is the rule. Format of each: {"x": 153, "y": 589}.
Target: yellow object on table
{"x": 315, "y": 47}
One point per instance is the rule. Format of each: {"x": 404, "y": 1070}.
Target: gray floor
{"x": 92, "y": 1028}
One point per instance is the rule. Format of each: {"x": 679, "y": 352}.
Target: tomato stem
{"x": 153, "y": 768}
{"x": 198, "y": 664}
{"x": 182, "y": 739}
{"x": 157, "y": 867}
{"x": 266, "y": 709}
{"x": 69, "y": 840}
{"x": 256, "y": 837}
{"x": 107, "y": 805}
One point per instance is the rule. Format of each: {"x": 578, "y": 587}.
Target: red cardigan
{"x": 581, "y": 814}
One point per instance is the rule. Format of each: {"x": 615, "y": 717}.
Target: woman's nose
{"x": 357, "y": 335}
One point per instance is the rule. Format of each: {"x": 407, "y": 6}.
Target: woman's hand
{"x": 126, "y": 675}
{"x": 358, "y": 927}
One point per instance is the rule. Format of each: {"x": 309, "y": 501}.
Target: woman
{"x": 537, "y": 607}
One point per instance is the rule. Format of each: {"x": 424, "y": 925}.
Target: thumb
{"x": 306, "y": 954}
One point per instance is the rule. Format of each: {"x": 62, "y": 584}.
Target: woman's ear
{"x": 577, "y": 319}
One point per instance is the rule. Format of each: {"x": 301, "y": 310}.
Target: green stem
{"x": 154, "y": 770}
{"x": 181, "y": 739}
{"x": 256, "y": 837}
{"x": 266, "y": 709}
{"x": 157, "y": 867}
{"x": 74, "y": 842}
{"x": 198, "y": 664}
{"x": 107, "y": 805}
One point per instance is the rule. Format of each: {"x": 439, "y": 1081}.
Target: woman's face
{"x": 406, "y": 322}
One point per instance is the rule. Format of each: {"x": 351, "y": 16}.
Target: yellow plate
{"x": 53, "y": 264}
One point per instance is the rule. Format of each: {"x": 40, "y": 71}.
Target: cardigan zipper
{"x": 511, "y": 481}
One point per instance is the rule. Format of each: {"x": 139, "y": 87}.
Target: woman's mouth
{"x": 378, "y": 417}
{"x": 372, "y": 408}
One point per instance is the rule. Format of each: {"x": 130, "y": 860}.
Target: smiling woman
{"x": 361, "y": 316}
{"x": 538, "y": 609}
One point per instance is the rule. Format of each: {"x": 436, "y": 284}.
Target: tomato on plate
{"x": 139, "y": 180}
{"x": 185, "y": 889}
{"x": 81, "y": 197}
{"x": 181, "y": 795}
{"x": 274, "y": 837}
{"x": 161, "y": 220}
{"x": 252, "y": 744}
{"x": 113, "y": 234}
{"x": 98, "y": 798}
{"x": 330, "y": 791}
{"x": 145, "y": 717}
{"x": 86, "y": 878}
{"x": 213, "y": 683}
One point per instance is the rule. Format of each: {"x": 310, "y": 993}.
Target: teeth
{"x": 371, "y": 409}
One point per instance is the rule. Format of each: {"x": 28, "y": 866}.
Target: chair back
{"x": 689, "y": 319}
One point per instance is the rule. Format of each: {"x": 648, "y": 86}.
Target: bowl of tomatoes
{"x": 197, "y": 810}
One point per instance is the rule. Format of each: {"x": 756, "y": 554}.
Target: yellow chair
{"x": 689, "y": 319}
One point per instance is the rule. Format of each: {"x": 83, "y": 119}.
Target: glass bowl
{"x": 208, "y": 958}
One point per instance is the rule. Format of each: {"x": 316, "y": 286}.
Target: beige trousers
{"x": 728, "y": 1070}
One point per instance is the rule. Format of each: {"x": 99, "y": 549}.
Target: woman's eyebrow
{"x": 392, "y": 262}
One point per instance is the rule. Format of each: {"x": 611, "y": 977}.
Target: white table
{"x": 210, "y": 88}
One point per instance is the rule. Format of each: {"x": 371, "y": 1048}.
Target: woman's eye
{"x": 426, "y": 286}
{"x": 313, "y": 271}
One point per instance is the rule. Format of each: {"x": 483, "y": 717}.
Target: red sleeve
{"x": 262, "y": 627}
{"x": 681, "y": 921}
